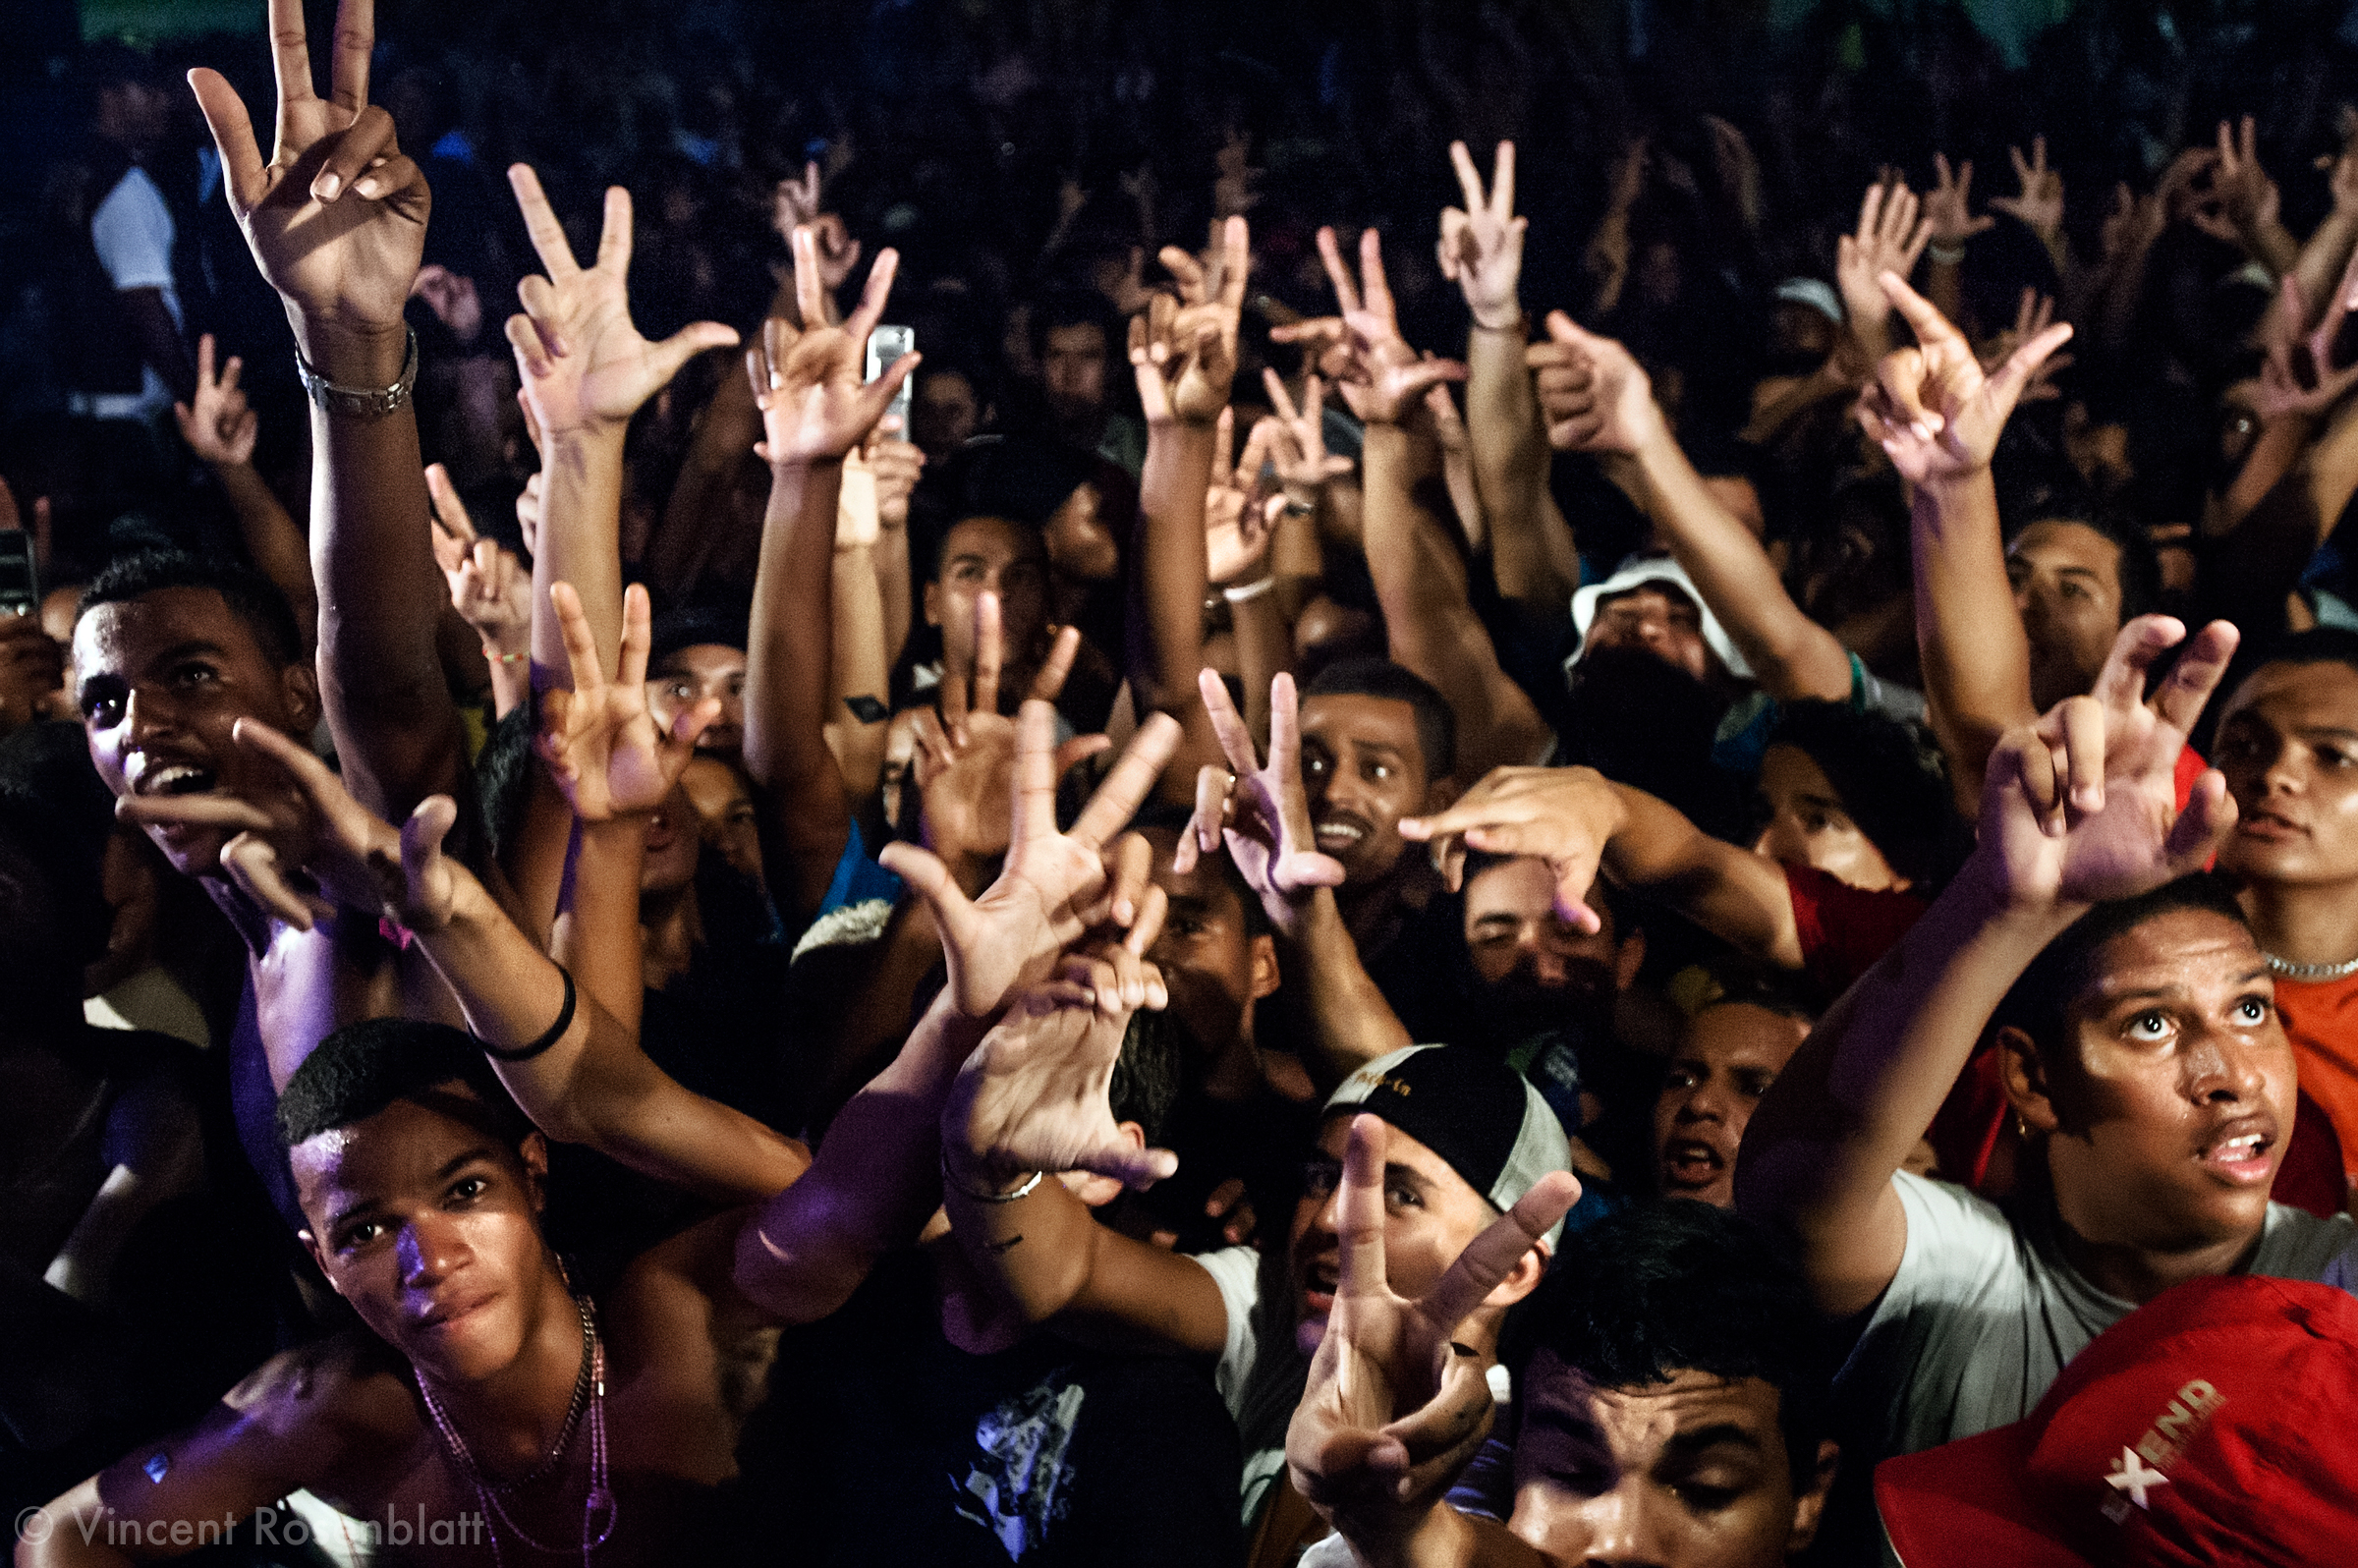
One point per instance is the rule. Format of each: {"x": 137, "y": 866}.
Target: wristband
{"x": 556, "y": 1031}
{"x": 1945, "y": 256}
{"x": 1294, "y": 508}
{"x": 1251, "y": 590}
{"x": 1029, "y": 1186}
{"x": 492, "y": 655}
{"x": 362, "y": 403}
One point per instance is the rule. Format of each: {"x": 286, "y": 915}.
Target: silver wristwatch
{"x": 362, "y": 403}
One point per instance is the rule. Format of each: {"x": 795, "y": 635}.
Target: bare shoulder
{"x": 346, "y": 1393}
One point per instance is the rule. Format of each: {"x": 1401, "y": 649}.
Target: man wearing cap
{"x": 2208, "y": 1425}
{"x": 1465, "y": 1140}
{"x": 2140, "y": 1049}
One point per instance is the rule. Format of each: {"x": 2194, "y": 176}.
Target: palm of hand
{"x": 607, "y": 755}
{"x": 1377, "y": 384}
{"x": 1265, "y": 855}
{"x": 613, "y": 370}
{"x": 1488, "y": 261}
{"x": 817, "y": 409}
{"x": 965, "y": 806}
{"x": 1039, "y": 1089}
{"x": 1023, "y": 920}
{"x": 1957, "y": 389}
{"x": 350, "y": 263}
{"x": 2118, "y": 852}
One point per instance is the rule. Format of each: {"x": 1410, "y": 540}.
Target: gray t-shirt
{"x": 1983, "y": 1316}
{"x": 1260, "y": 1390}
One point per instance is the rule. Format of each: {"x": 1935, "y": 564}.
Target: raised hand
{"x": 2299, "y": 378}
{"x": 1931, "y": 407}
{"x": 582, "y": 363}
{"x": 2033, "y": 314}
{"x": 1383, "y": 379}
{"x": 1034, "y": 1096}
{"x": 794, "y": 205}
{"x": 1259, "y": 811}
{"x": 1563, "y": 815}
{"x": 489, "y": 588}
{"x": 216, "y": 423}
{"x": 1482, "y": 243}
{"x": 1949, "y": 206}
{"x": 1304, "y": 465}
{"x": 897, "y": 466}
{"x": 336, "y": 219}
{"x": 1890, "y": 237}
{"x": 1240, "y": 518}
{"x": 452, "y": 297}
{"x": 2083, "y": 806}
{"x": 2040, "y": 204}
{"x": 1594, "y": 395}
{"x": 815, "y": 408}
{"x": 2243, "y": 205}
{"x": 1183, "y": 352}
{"x": 1396, "y": 1405}
{"x": 602, "y": 744}
{"x": 1053, "y": 886}
{"x": 309, "y": 848}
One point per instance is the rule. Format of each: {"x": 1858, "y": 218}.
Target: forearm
{"x": 891, "y": 556}
{"x": 1848, "y": 1109}
{"x": 1969, "y": 638}
{"x": 862, "y": 675}
{"x": 1442, "y": 1538}
{"x": 1734, "y": 894}
{"x": 1791, "y": 656}
{"x": 1510, "y": 467}
{"x": 1264, "y": 649}
{"x": 874, "y": 1184}
{"x": 1173, "y": 568}
{"x": 2318, "y": 267}
{"x": 789, "y": 684}
{"x": 380, "y": 594}
{"x": 2280, "y": 446}
{"x": 599, "y": 937}
{"x": 580, "y": 525}
{"x": 275, "y": 543}
{"x": 1348, "y": 1023}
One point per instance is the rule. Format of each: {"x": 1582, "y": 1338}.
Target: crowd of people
{"x": 1057, "y": 830}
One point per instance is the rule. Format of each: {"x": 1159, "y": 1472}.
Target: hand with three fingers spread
{"x": 1383, "y": 379}
{"x": 1259, "y": 810}
{"x": 1183, "y": 351}
{"x": 489, "y": 588}
{"x": 2299, "y": 378}
{"x": 1397, "y": 1403}
{"x": 602, "y": 744}
{"x": 1892, "y": 236}
{"x": 336, "y": 218}
{"x": 582, "y": 364}
{"x": 216, "y": 423}
{"x": 2082, "y": 806}
{"x": 807, "y": 381}
{"x": 1482, "y": 243}
{"x": 1298, "y": 456}
{"x": 1932, "y": 407}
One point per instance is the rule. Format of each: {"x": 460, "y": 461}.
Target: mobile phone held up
{"x": 20, "y": 582}
{"x": 886, "y": 345}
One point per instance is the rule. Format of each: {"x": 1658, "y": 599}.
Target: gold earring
{"x": 2021, "y": 1127}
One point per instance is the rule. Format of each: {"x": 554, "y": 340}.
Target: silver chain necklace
{"x": 2310, "y": 972}
{"x": 589, "y": 1393}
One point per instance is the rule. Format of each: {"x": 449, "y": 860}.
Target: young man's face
{"x": 992, "y": 555}
{"x": 1809, "y": 825}
{"x": 1364, "y": 768}
{"x": 687, "y": 676}
{"x": 2066, "y": 579}
{"x": 2170, "y": 1106}
{"x": 1725, "y": 1061}
{"x": 2288, "y": 745}
{"x": 1429, "y": 1212}
{"x": 1215, "y": 968}
{"x": 674, "y": 839}
{"x": 724, "y": 812}
{"x": 1691, "y": 1473}
{"x": 429, "y": 1225}
{"x": 1654, "y": 618}
{"x": 1532, "y": 958}
{"x": 1072, "y": 371}
{"x": 160, "y": 682}
{"x": 943, "y": 414}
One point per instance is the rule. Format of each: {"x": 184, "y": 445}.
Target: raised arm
{"x": 1183, "y": 355}
{"x": 221, "y": 428}
{"x": 1596, "y": 398}
{"x": 490, "y": 590}
{"x": 814, "y": 409}
{"x": 336, "y": 221}
{"x": 1939, "y": 417}
{"x": 2079, "y": 808}
{"x": 1580, "y": 823}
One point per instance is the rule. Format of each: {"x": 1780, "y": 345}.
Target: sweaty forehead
{"x": 400, "y": 1151}
{"x": 2179, "y": 949}
{"x": 1568, "y": 1417}
{"x": 1647, "y": 598}
{"x": 1742, "y": 1034}
{"x": 123, "y": 633}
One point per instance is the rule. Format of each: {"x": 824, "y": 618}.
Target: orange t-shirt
{"x": 2320, "y": 1018}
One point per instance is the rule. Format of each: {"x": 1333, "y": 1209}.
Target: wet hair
{"x": 1437, "y": 722}
{"x": 1146, "y": 1074}
{"x": 1681, "y": 1286}
{"x": 55, "y": 816}
{"x": 251, "y": 597}
{"x": 1891, "y": 782}
{"x": 2040, "y": 1000}
{"x": 363, "y": 1068}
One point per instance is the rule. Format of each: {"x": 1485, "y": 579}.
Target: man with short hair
{"x": 1670, "y": 1410}
{"x": 1735, "y": 1042}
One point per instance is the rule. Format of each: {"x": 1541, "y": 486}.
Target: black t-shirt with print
{"x": 883, "y": 1443}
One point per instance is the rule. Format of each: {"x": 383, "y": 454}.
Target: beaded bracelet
{"x": 492, "y": 655}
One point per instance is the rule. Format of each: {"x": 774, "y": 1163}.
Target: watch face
{"x": 867, "y": 709}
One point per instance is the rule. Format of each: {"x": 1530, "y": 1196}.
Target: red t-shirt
{"x": 1844, "y": 930}
{"x": 2320, "y": 1018}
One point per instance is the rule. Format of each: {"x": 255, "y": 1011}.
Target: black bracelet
{"x": 556, "y": 1031}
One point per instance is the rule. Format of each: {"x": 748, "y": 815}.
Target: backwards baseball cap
{"x": 2210, "y": 1425}
{"x": 1481, "y": 1116}
{"x": 1665, "y": 571}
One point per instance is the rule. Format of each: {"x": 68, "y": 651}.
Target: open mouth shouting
{"x": 1341, "y": 832}
{"x": 1689, "y": 1164}
{"x": 2242, "y": 1152}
